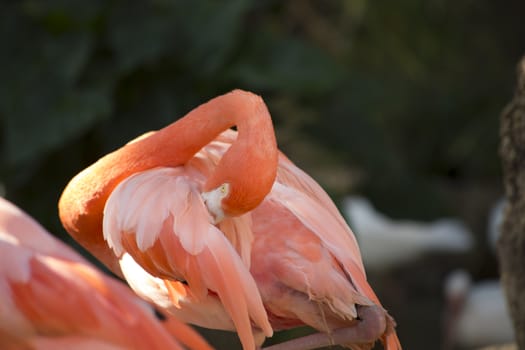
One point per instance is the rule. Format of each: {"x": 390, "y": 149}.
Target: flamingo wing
{"x": 303, "y": 196}
{"x": 298, "y": 277}
{"x": 159, "y": 218}
{"x": 53, "y": 298}
{"x": 296, "y": 192}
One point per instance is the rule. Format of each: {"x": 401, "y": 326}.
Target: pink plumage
{"x": 303, "y": 256}
{"x": 54, "y": 299}
{"x": 230, "y": 237}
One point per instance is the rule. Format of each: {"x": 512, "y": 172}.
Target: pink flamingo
{"x": 54, "y": 299}
{"x": 232, "y": 237}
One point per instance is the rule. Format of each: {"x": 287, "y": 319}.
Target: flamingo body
{"x": 54, "y": 299}
{"x": 303, "y": 256}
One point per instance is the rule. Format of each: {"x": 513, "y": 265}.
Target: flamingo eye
{"x": 224, "y": 189}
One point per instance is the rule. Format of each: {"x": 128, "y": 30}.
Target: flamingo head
{"x": 239, "y": 184}
{"x": 213, "y": 201}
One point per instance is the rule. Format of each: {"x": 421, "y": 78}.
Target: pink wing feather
{"x": 159, "y": 218}
{"x": 305, "y": 198}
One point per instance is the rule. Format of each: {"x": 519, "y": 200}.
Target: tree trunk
{"x": 511, "y": 245}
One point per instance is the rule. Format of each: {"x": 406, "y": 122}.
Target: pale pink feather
{"x": 159, "y": 218}
{"x": 293, "y": 177}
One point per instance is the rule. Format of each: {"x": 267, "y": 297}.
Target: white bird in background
{"x": 494, "y": 222}
{"x": 476, "y": 314}
{"x": 386, "y": 243}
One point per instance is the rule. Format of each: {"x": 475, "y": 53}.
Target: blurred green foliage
{"x": 396, "y": 100}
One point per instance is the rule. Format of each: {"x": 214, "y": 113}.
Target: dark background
{"x": 395, "y": 100}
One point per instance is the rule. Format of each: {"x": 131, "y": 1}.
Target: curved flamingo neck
{"x": 82, "y": 203}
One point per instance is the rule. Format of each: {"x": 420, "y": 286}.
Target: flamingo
{"x": 221, "y": 229}
{"x": 54, "y": 299}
